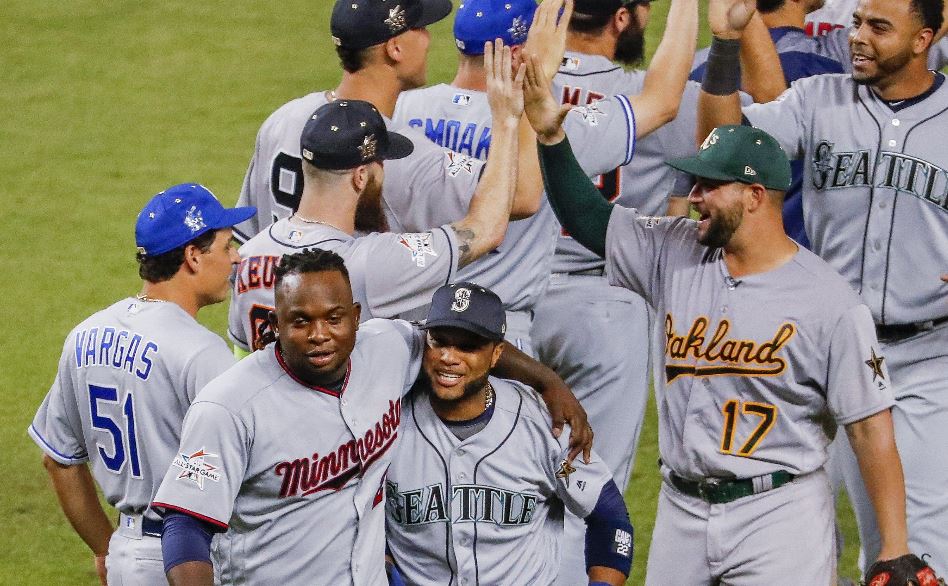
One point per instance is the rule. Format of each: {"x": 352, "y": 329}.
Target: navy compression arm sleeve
{"x": 185, "y": 539}
{"x": 578, "y": 205}
{"x": 609, "y": 532}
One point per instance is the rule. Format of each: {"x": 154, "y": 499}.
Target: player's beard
{"x": 630, "y": 46}
{"x": 722, "y": 228}
{"x": 369, "y": 216}
{"x": 884, "y": 68}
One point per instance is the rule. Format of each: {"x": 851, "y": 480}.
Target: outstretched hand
{"x": 544, "y": 113}
{"x": 729, "y": 18}
{"x": 547, "y": 36}
{"x": 504, "y": 90}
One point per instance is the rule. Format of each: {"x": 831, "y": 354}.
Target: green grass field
{"x": 107, "y": 103}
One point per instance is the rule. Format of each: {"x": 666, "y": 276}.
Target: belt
{"x": 718, "y": 491}
{"x": 149, "y": 527}
{"x": 900, "y": 331}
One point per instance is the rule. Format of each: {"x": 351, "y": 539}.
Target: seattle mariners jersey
{"x": 390, "y": 273}
{"x": 646, "y": 181}
{"x": 488, "y": 509}
{"x": 755, "y": 371}
{"x": 126, "y": 377}
{"x": 290, "y": 468}
{"x": 518, "y": 271}
{"x": 421, "y": 191}
{"x": 871, "y": 176}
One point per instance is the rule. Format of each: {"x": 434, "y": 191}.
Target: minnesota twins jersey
{"x": 299, "y": 470}
{"x": 390, "y": 273}
{"x": 126, "y": 377}
{"x": 488, "y": 509}
{"x": 756, "y": 372}
{"x": 518, "y": 270}
{"x": 838, "y": 14}
{"x": 646, "y": 181}
{"x": 875, "y": 189}
{"x": 421, "y": 191}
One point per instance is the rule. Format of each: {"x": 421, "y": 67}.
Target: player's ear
{"x": 498, "y": 351}
{"x": 755, "y": 196}
{"x": 621, "y": 20}
{"x": 192, "y": 257}
{"x": 922, "y": 41}
{"x": 356, "y": 312}
{"x": 394, "y": 50}
{"x": 272, "y": 318}
{"x": 360, "y": 178}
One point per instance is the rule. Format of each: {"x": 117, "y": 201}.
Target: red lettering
{"x": 571, "y": 95}
{"x": 241, "y": 284}
{"x": 253, "y": 272}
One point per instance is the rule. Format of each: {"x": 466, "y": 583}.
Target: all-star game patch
{"x": 590, "y": 113}
{"x": 456, "y": 163}
{"x": 196, "y": 468}
{"x": 420, "y": 245}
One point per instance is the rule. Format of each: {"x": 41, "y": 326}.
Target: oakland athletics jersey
{"x": 290, "y": 468}
{"x": 875, "y": 189}
{"x": 390, "y": 273}
{"x": 487, "y": 509}
{"x": 126, "y": 377}
{"x": 757, "y": 371}
{"x": 646, "y": 181}
{"x": 420, "y": 191}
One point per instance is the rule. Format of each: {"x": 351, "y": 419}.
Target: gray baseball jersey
{"x": 646, "y": 181}
{"x": 875, "y": 189}
{"x": 126, "y": 377}
{"x": 755, "y": 371}
{"x": 836, "y": 16}
{"x": 295, "y": 473}
{"x": 487, "y": 509}
{"x": 390, "y": 273}
{"x": 421, "y": 191}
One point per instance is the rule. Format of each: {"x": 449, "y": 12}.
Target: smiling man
{"x": 476, "y": 492}
{"x": 875, "y": 203}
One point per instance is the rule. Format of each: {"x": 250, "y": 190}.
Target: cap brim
{"x": 432, "y": 11}
{"x": 234, "y": 216}
{"x": 461, "y": 325}
{"x": 399, "y": 146}
{"x": 698, "y": 168}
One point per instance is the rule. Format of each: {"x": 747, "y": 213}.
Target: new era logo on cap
{"x": 748, "y": 170}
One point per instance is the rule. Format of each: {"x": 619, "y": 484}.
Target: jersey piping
{"x": 298, "y": 246}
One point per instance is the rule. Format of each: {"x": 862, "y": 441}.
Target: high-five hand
{"x": 543, "y": 112}
{"x": 504, "y": 90}
{"x": 547, "y": 36}
{"x": 729, "y": 18}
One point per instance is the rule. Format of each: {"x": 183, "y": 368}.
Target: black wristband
{"x": 722, "y": 73}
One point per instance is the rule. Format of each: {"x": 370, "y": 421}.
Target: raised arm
{"x": 718, "y": 101}
{"x": 761, "y": 72}
{"x": 485, "y": 224}
{"x": 77, "y": 496}
{"x": 563, "y": 405}
{"x": 665, "y": 79}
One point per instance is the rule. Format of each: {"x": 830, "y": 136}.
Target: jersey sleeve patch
{"x": 420, "y": 245}
{"x": 197, "y": 467}
{"x": 457, "y": 163}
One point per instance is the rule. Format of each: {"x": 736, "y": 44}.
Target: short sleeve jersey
{"x": 126, "y": 377}
{"x": 875, "y": 189}
{"x": 488, "y": 509}
{"x": 756, "y": 372}
{"x": 430, "y": 187}
{"x": 290, "y": 468}
{"x": 646, "y": 181}
{"x": 390, "y": 273}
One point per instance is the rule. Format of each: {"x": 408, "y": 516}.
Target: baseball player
{"x": 476, "y": 493}
{"x": 755, "y": 361}
{"x": 344, "y": 145}
{"x": 456, "y": 116}
{"x": 285, "y": 454}
{"x": 127, "y": 375}
{"x": 383, "y": 50}
{"x": 875, "y": 211}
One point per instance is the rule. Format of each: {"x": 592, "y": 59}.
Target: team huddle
{"x": 442, "y": 293}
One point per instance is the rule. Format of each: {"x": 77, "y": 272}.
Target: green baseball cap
{"x": 739, "y": 153}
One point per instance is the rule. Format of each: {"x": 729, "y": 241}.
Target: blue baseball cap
{"x": 469, "y": 307}
{"x": 180, "y": 214}
{"x": 479, "y": 21}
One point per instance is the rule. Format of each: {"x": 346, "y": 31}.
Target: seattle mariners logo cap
{"x": 739, "y": 153}
{"x": 479, "y": 21}
{"x": 469, "y": 307}
{"x": 180, "y": 214}
{"x": 347, "y": 133}
{"x": 358, "y": 24}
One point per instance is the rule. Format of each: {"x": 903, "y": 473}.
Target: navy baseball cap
{"x": 469, "y": 307}
{"x": 180, "y": 214}
{"x": 479, "y": 21}
{"x": 358, "y": 24}
{"x": 347, "y": 133}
